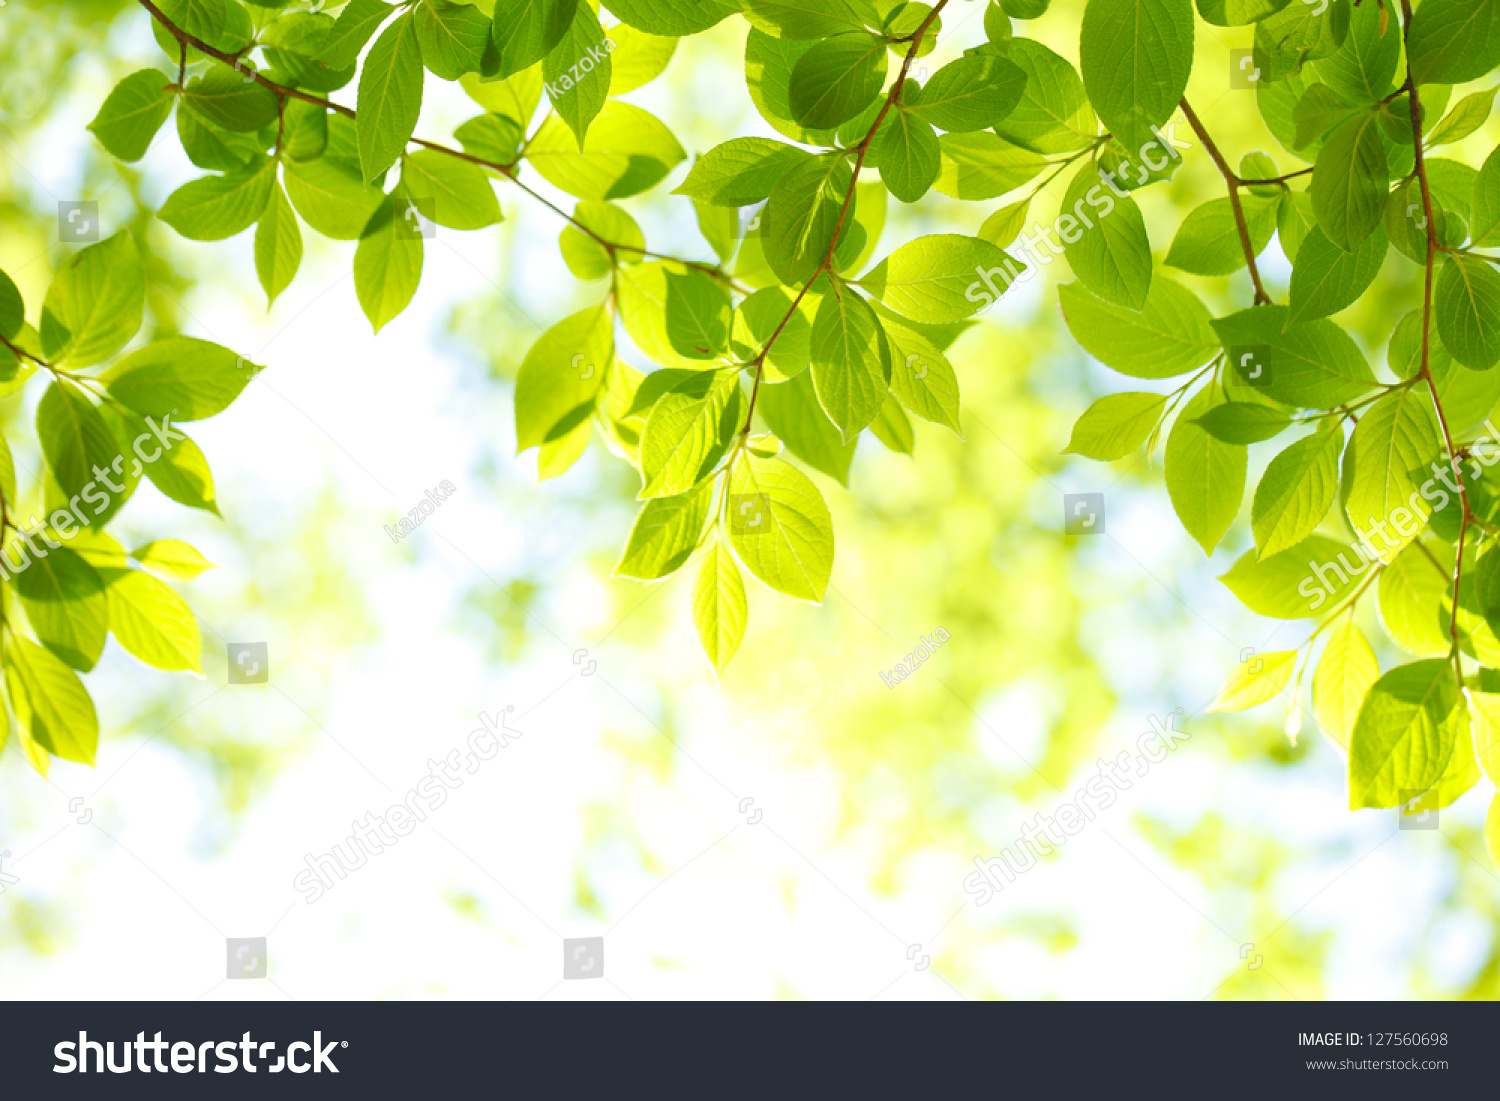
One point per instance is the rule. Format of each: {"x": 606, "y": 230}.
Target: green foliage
{"x": 806, "y": 333}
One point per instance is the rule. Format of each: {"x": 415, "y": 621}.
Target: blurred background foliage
{"x": 1060, "y": 651}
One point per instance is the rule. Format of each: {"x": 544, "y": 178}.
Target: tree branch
{"x": 508, "y": 171}
{"x": 1234, "y": 182}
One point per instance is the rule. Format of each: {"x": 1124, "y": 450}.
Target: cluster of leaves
{"x": 795, "y": 340}
{"x": 1388, "y": 482}
{"x": 104, "y": 421}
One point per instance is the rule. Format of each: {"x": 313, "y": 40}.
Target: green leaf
{"x": 937, "y": 278}
{"x": 305, "y": 136}
{"x": 851, "y": 361}
{"x": 1116, "y": 425}
{"x": 355, "y": 26}
{"x": 720, "y": 227}
{"x": 627, "y": 151}
{"x": 215, "y": 207}
{"x": 178, "y": 467}
{"x": 495, "y": 138}
{"x": 795, "y": 19}
{"x": 720, "y": 611}
{"x": 331, "y": 196}
{"x": 171, "y": 558}
{"x": 1294, "y": 222}
{"x": 689, "y": 431}
{"x": 1256, "y": 680}
{"x": 1208, "y": 241}
{"x": 74, "y": 437}
{"x": 665, "y": 534}
{"x": 561, "y": 377}
{"x": 677, "y": 315}
{"x": 390, "y": 97}
{"x": 1237, "y": 13}
{"x": 1315, "y": 365}
{"x": 639, "y": 57}
{"x": 792, "y": 411}
{"x": 230, "y": 100}
{"x": 1318, "y": 111}
{"x": 799, "y": 219}
{"x": 151, "y": 621}
{"x": 452, "y": 37}
{"x": 1404, "y": 734}
{"x": 524, "y": 31}
{"x": 179, "y": 377}
{"x": 1454, "y": 41}
{"x": 1205, "y": 476}
{"x": 585, "y": 256}
{"x": 1003, "y": 226}
{"x": 893, "y": 428}
{"x": 388, "y": 261}
{"x": 1388, "y": 459}
{"x": 922, "y": 379}
{"x": 780, "y": 527}
{"x": 761, "y": 315}
{"x": 741, "y": 171}
{"x": 94, "y": 304}
{"x": 218, "y": 23}
{"x": 1136, "y": 56}
{"x": 50, "y": 702}
{"x": 1364, "y": 67}
{"x": 278, "y": 245}
{"x": 132, "y": 114}
{"x": 451, "y": 192}
{"x": 1350, "y": 181}
{"x": 576, "y": 72}
{"x": 1466, "y": 306}
{"x": 1296, "y": 491}
{"x": 1297, "y": 34}
{"x": 1298, "y": 582}
{"x": 1053, "y": 115}
{"x": 295, "y": 44}
{"x": 768, "y": 75}
{"x": 1244, "y": 422}
{"x": 65, "y": 605}
{"x": 1345, "y": 673}
{"x": 1409, "y": 594}
{"x": 12, "y": 308}
{"x": 909, "y": 154}
{"x": 981, "y": 166}
{"x": 1105, "y": 241}
{"x": 672, "y": 17}
{"x": 1171, "y": 334}
{"x": 836, "y": 80}
{"x": 1326, "y": 279}
{"x": 972, "y": 93}
{"x": 1484, "y": 221}
{"x": 1467, "y": 116}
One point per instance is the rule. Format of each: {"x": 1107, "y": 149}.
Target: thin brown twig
{"x": 1234, "y": 182}
{"x": 508, "y": 170}
{"x": 861, "y": 151}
